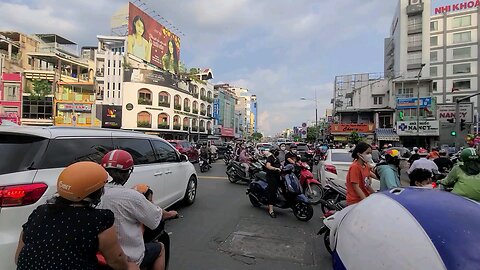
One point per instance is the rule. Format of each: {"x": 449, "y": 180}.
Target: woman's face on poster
{"x": 170, "y": 47}
{"x": 139, "y": 27}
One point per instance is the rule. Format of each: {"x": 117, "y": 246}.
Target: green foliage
{"x": 312, "y": 132}
{"x": 144, "y": 124}
{"x": 354, "y": 137}
{"x": 41, "y": 89}
{"x": 257, "y": 136}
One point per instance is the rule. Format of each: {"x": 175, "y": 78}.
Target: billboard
{"x": 111, "y": 116}
{"x": 459, "y": 6}
{"x": 447, "y": 111}
{"x": 411, "y": 103}
{"x": 151, "y": 41}
{"x": 342, "y": 128}
{"x": 425, "y": 128}
{"x": 150, "y": 77}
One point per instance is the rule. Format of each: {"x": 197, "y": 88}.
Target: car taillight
{"x": 331, "y": 168}
{"x": 21, "y": 194}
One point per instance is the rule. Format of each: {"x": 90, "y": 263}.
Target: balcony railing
{"x": 144, "y": 124}
{"x": 164, "y": 104}
{"x": 203, "y": 112}
{"x": 186, "y": 109}
{"x": 202, "y": 129}
{"x": 144, "y": 101}
{"x": 195, "y": 111}
{"x": 204, "y": 98}
{"x": 195, "y": 95}
{"x": 75, "y": 97}
{"x": 177, "y": 106}
{"x": 194, "y": 129}
{"x": 177, "y": 127}
{"x": 163, "y": 126}
{"x": 186, "y": 128}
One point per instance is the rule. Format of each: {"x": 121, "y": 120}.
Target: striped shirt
{"x": 131, "y": 210}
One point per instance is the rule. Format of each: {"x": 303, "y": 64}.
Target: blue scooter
{"x": 290, "y": 195}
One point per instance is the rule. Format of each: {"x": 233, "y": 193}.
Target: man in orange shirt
{"x": 358, "y": 177}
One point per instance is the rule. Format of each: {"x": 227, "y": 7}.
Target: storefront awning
{"x": 386, "y": 134}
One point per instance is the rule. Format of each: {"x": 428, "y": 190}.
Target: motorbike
{"x": 236, "y": 172}
{"x": 334, "y": 197}
{"x": 311, "y": 186}
{"x": 289, "y": 195}
{"x": 331, "y": 219}
{"x": 204, "y": 165}
{"x": 228, "y": 156}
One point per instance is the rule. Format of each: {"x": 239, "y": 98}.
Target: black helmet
{"x": 293, "y": 146}
{"x": 275, "y": 150}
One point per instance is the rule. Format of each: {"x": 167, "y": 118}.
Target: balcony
{"x": 76, "y": 97}
{"x": 177, "y": 107}
{"x": 202, "y": 129}
{"x": 144, "y": 101}
{"x": 203, "y": 113}
{"x": 185, "y": 128}
{"x": 177, "y": 126}
{"x": 195, "y": 95}
{"x": 164, "y": 104}
{"x": 415, "y": 9}
{"x": 194, "y": 129}
{"x": 186, "y": 109}
{"x": 144, "y": 124}
{"x": 195, "y": 111}
{"x": 163, "y": 126}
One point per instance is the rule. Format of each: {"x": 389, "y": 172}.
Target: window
{"x": 414, "y": 58}
{"x": 164, "y": 152}
{"x": 405, "y": 92}
{"x": 460, "y": 53}
{"x": 113, "y": 86}
{"x": 163, "y": 99}
{"x": 342, "y": 157}
{"x": 462, "y": 37}
{"x": 433, "y": 71}
{"x": 144, "y": 119}
{"x": 461, "y": 84}
{"x": 414, "y": 22}
{"x": 63, "y": 152}
{"x": 415, "y": 40}
{"x": 378, "y": 100}
{"x": 12, "y": 92}
{"x": 461, "y": 68}
{"x": 144, "y": 97}
{"x": 434, "y": 56}
{"x": 40, "y": 109}
{"x": 12, "y": 145}
{"x": 434, "y": 41}
{"x": 140, "y": 149}
{"x": 462, "y": 21}
{"x": 435, "y": 86}
{"x": 434, "y": 26}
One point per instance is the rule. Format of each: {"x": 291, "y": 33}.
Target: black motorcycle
{"x": 334, "y": 198}
{"x": 290, "y": 195}
{"x": 204, "y": 165}
{"x": 228, "y": 156}
{"x": 236, "y": 172}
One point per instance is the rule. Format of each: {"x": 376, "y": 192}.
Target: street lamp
{"x": 418, "y": 102}
{"x": 316, "y": 114}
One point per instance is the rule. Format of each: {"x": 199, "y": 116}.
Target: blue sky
{"x": 279, "y": 49}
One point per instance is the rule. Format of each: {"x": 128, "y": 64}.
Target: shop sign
{"x": 447, "y": 111}
{"x": 111, "y": 116}
{"x": 227, "y": 132}
{"x": 342, "y": 128}
{"x": 10, "y": 116}
{"x": 411, "y": 103}
{"x": 425, "y": 128}
{"x": 457, "y": 7}
{"x": 70, "y": 107}
{"x": 216, "y": 109}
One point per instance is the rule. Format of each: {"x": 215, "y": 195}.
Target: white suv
{"x": 33, "y": 157}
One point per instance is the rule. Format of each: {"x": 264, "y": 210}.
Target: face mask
{"x": 428, "y": 186}
{"x": 367, "y": 158}
{"x": 283, "y": 148}
{"x": 294, "y": 151}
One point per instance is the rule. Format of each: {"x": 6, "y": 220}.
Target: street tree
{"x": 257, "y": 136}
{"x": 354, "y": 137}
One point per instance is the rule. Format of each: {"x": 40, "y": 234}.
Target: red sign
{"x": 10, "y": 116}
{"x": 151, "y": 41}
{"x": 346, "y": 128}
{"x": 227, "y": 132}
{"x": 457, "y": 7}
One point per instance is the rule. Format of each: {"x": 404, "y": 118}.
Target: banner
{"x": 151, "y": 41}
{"x": 447, "y": 111}
{"x": 425, "y": 128}
{"x": 216, "y": 109}
{"x": 111, "y": 116}
{"x": 70, "y": 107}
{"x": 227, "y": 132}
{"x": 151, "y": 77}
{"x": 342, "y": 128}
{"x": 411, "y": 103}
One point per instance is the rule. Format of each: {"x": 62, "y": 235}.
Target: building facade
{"x": 10, "y": 97}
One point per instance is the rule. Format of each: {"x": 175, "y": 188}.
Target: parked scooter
{"x": 290, "y": 195}
{"x": 334, "y": 197}
{"x": 311, "y": 186}
{"x": 236, "y": 172}
{"x": 204, "y": 165}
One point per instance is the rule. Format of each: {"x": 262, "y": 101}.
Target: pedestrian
{"x": 389, "y": 172}
{"x": 358, "y": 180}
{"x": 273, "y": 178}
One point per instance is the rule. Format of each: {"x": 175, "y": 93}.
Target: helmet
{"x": 118, "y": 159}
{"x": 415, "y": 148}
{"x": 274, "y": 150}
{"x": 422, "y": 152}
{"x": 392, "y": 153}
{"x": 293, "y": 146}
{"x": 81, "y": 179}
{"x": 469, "y": 154}
{"x": 433, "y": 154}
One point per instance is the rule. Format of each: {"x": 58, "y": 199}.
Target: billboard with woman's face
{"x": 151, "y": 41}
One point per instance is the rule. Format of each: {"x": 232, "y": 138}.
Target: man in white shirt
{"x": 131, "y": 210}
{"x": 423, "y": 163}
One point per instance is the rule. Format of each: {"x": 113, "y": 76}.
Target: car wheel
{"x": 191, "y": 192}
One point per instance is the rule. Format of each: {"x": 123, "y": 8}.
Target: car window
{"x": 62, "y": 152}
{"x": 174, "y": 144}
{"x": 21, "y": 151}
{"x": 140, "y": 149}
{"x": 302, "y": 148}
{"x": 164, "y": 153}
{"x": 186, "y": 145}
{"x": 342, "y": 157}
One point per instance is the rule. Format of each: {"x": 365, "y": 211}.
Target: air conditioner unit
{"x": 415, "y": 2}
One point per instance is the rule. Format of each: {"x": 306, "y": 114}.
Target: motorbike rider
{"x": 423, "y": 162}
{"x": 388, "y": 172}
{"x": 282, "y": 152}
{"x": 47, "y": 240}
{"x": 415, "y": 155}
{"x": 421, "y": 178}
{"x": 131, "y": 210}
{"x": 204, "y": 153}
{"x": 465, "y": 178}
{"x": 213, "y": 151}
{"x": 291, "y": 156}
{"x": 273, "y": 169}
{"x": 444, "y": 163}
{"x": 245, "y": 159}
{"x": 358, "y": 180}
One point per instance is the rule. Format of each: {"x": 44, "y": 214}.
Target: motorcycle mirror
{"x": 183, "y": 158}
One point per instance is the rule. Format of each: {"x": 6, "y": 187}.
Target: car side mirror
{"x": 183, "y": 158}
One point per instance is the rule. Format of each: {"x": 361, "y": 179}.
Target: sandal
{"x": 272, "y": 214}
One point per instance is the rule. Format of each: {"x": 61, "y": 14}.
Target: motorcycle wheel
{"x": 303, "y": 211}
{"x": 329, "y": 198}
{"x": 202, "y": 169}
{"x": 315, "y": 193}
{"x": 326, "y": 241}
{"x": 254, "y": 201}
{"x": 231, "y": 178}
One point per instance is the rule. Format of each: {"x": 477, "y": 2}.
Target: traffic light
{"x": 462, "y": 124}
{"x": 453, "y": 133}
{"x": 451, "y": 120}
{"x": 400, "y": 115}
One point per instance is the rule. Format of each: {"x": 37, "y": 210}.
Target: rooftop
{"x": 54, "y": 38}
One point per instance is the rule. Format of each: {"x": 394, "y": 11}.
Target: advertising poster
{"x": 151, "y": 41}
{"x": 447, "y": 111}
{"x": 150, "y": 77}
{"x": 411, "y": 103}
{"x": 111, "y": 116}
{"x": 425, "y": 128}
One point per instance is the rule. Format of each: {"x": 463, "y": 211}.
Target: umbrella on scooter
{"x": 409, "y": 228}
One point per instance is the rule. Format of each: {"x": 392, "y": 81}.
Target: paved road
{"x": 222, "y": 230}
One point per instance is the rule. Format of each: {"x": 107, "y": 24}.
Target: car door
{"x": 192, "y": 152}
{"x": 147, "y": 170}
{"x": 174, "y": 171}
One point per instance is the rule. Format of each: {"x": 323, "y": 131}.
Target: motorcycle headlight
{"x": 308, "y": 167}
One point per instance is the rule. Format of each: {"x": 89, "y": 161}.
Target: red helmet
{"x": 118, "y": 159}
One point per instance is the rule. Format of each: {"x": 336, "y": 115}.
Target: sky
{"x": 281, "y": 50}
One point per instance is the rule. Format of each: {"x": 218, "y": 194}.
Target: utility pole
{"x": 458, "y": 141}
{"x": 418, "y": 103}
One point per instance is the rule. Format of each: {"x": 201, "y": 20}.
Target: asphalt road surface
{"x": 222, "y": 230}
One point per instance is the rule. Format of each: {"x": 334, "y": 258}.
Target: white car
{"x": 33, "y": 157}
{"x": 336, "y": 165}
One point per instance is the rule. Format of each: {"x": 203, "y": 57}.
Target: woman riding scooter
{"x": 273, "y": 178}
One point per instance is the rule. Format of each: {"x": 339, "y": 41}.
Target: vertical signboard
{"x": 111, "y": 116}
{"x": 216, "y": 109}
